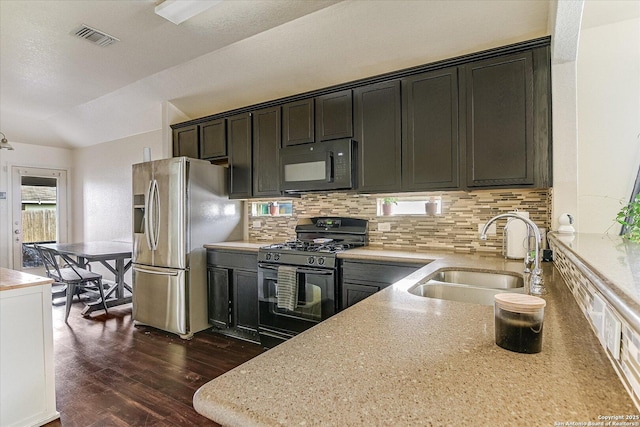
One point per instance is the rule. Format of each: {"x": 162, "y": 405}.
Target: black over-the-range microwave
{"x": 326, "y": 165}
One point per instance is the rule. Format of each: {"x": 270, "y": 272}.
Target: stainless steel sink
{"x": 482, "y": 279}
{"x": 477, "y": 287}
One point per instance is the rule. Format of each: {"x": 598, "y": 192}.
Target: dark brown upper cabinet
{"x": 185, "y": 142}
{"x": 298, "y": 122}
{"x": 377, "y": 124}
{"x": 472, "y": 122}
{"x": 239, "y": 144}
{"x": 430, "y": 143}
{"x": 266, "y": 152}
{"x": 334, "y": 116}
{"x": 499, "y": 121}
{"x": 213, "y": 139}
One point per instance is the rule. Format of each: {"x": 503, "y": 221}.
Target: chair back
{"x": 48, "y": 257}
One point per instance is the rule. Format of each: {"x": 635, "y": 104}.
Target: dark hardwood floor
{"x": 111, "y": 373}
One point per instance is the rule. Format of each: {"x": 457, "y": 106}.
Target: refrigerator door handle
{"x": 161, "y": 273}
{"x": 156, "y": 214}
{"x": 147, "y": 219}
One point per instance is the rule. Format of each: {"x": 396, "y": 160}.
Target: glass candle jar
{"x": 518, "y": 322}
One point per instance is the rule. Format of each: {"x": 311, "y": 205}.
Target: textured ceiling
{"x": 52, "y": 84}
{"x": 59, "y": 90}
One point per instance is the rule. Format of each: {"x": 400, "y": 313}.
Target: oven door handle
{"x": 299, "y": 270}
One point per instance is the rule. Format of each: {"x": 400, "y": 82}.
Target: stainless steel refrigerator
{"x": 179, "y": 204}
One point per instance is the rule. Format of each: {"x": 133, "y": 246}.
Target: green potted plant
{"x": 629, "y": 217}
{"x": 387, "y": 205}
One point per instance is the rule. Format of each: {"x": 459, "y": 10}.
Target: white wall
{"x": 564, "y": 26}
{"x": 32, "y": 156}
{"x": 608, "y": 122}
{"x": 102, "y": 186}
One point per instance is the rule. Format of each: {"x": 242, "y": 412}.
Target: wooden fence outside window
{"x": 38, "y": 225}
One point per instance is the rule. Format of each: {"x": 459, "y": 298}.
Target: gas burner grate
{"x": 311, "y": 246}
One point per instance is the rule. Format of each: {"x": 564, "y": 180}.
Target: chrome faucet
{"x": 535, "y": 279}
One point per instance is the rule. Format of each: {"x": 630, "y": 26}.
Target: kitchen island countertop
{"x": 400, "y": 359}
{"x": 13, "y": 279}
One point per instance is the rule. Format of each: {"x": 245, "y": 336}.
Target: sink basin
{"x": 482, "y": 279}
{"x": 460, "y": 293}
{"x": 477, "y": 287}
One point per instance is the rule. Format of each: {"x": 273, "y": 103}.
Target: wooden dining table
{"x": 114, "y": 256}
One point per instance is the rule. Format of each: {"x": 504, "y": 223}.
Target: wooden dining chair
{"x": 72, "y": 276}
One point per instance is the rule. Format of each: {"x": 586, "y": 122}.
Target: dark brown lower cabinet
{"x": 361, "y": 279}
{"x": 355, "y": 292}
{"x": 245, "y": 302}
{"x": 232, "y": 281}
{"x": 219, "y": 303}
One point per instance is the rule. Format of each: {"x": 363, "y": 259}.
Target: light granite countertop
{"x": 12, "y": 279}
{"x": 400, "y": 359}
{"x": 241, "y": 245}
{"x": 612, "y": 263}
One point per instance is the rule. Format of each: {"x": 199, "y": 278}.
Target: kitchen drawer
{"x": 232, "y": 259}
{"x": 376, "y": 272}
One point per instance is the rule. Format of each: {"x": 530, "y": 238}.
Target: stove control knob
{"x": 320, "y": 261}
{"x": 268, "y": 256}
{"x": 311, "y": 260}
{"x": 276, "y": 257}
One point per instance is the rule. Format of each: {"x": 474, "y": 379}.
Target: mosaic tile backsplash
{"x": 628, "y": 366}
{"x": 456, "y": 229}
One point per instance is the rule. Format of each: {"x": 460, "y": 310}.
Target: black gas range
{"x": 318, "y": 241}
{"x": 298, "y": 280}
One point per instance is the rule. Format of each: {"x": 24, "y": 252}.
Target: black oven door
{"x": 316, "y": 302}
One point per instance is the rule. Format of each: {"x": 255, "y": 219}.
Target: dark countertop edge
{"x": 625, "y": 305}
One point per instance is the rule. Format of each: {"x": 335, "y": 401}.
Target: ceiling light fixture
{"x": 4, "y": 143}
{"x": 178, "y": 11}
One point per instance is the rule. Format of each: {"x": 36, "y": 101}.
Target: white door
{"x": 39, "y": 199}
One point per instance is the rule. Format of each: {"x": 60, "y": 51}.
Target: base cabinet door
{"x": 233, "y": 293}
{"x": 219, "y": 302}
{"x": 27, "y": 377}
{"x": 361, "y": 279}
{"x": 245, "y": 297}
{"x": 354, "y": 292}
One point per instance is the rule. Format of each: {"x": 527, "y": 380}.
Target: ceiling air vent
{"x": 94, "y": 36}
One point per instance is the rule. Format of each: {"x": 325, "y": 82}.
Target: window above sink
{"x": 409, "y": 205}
